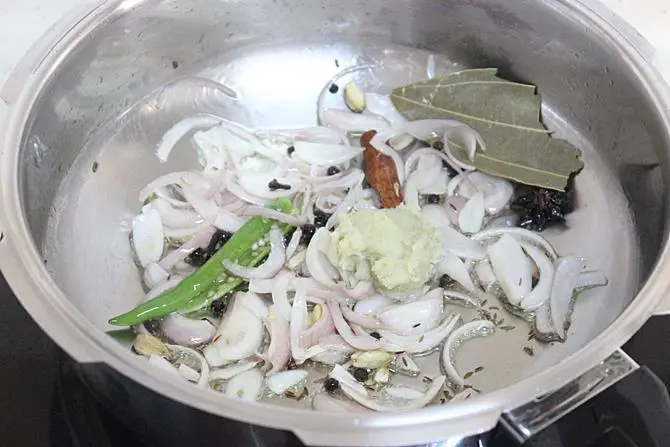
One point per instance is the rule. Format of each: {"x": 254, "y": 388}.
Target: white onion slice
{"x": 296, "y": 221}
{"x": 185, "y": 331}
{"x": 222, "y": 218}
{"x": 154, "y": 274}
{"x": 357, "y": 341}
{"x": 456, "y": 269}
{"x": 568, "y": 270}
{"x": 346, "y": 122}
{"x": 294, "y": 243}
{"x": 335, "y": 350}
{"x": 402, "y": 392}
{"x": 254, "y": 303}
{"x": 485, "y": 274}
{"x": 272, "y": 265}
{"x": 543, "y": 322}
{"x": 246, "y": 386}
{"x": 511, "y": 268}
{"x": 316, "y": 260}
{"x": 198, "y": 240}
{"x": 360, "y": 319}
{"x": 182, "y": 352}
{"x": 231, "y": 371}
{"x": 381, "y": 105}
{"x": 279, "y": 351}
{"x": 239, "y": 336}
{"x": 418, "y": 344}
{"x": 458, "y": 296}
{"x": 540, "y": 293}
{"x": 298, "y": 323}
{"x": 324, "y": 402}
{"x": 281, "y": 382}
{"x": 177, "y": 132}
{"x": 372, "y": 305}
{"x": 417, "y": 317}
{"x": 588, "y": 280}
{"x": 188, "y": 373}
{"x": 379, "y": 143}
{"x": 147, "y": 236}
{"x": 478, "y": 328}
{"x": 325, "y": 154}
{"x": 175, "y": 217}
{"x": 173, "y": 178}
{"x": 280, "y": 294}
{"x": 471, "y": 217}
{"x": 521, "y": 234}
{"x": 459, "y": 244}
{"x": 322, "y": 328}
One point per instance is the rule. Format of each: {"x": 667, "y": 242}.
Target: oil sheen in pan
{"x": 89, "y": 223}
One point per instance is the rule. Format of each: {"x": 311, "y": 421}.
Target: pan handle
{"x": 529, "y": 419}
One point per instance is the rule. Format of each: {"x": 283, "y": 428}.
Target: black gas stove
{"x": 43, "y": 403}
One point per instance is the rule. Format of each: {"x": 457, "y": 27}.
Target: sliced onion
{"x": 471, "y": 217}
{"x": 347, "y": 122}
{"x": 544, "y": 326}
{"x": 325, "y": 154}
{"x": 279, "y": 351}
{"x": 588, "y": 280}
{"x": 280, "y": 294}
{"x": 456, "y": 269}
{"x": 175, "y": 217}
{"x": 239, "y": 336}
{"x": 177, "y": 132}
{"x": 231, "y": 371}
{"x": 540, "y": 293}
{"x": 298, "y": 323}
{"x": 186, "y": 331}
{"x": 163, "y": 287}
{"x": 335, "y": 350}
{"x": 294, "y": 243}
{"x": 189, "y": 232}
{"x": 568, "y": 270}
{"x": 281, "y": 382}
{"x": 418, "y": 344}
{"x": 402, "y": 392}
{"x": 485, "y": 274}
{"x": 147, "y": 236}
{"x": 272, "y": 265}
{"x": 182, "y": 353}
{"x": 223, "y": 219}
{"x": 295, "y": 221}
{"x": 188, "y": 373}
{"x": 324, "y": 402}
{"x": 200, "y": 239}
{"x": 173, "y": 178}
{"x": 359, "y": 319}
{"x": 379, "y": 143}
{"x": 322, "y": 328}
{"x": 381, "y": 105}
{"x": 521, "y": 234}
{"x": 463, "y": 297}
{"x": 478, "y": 328}
{"x": 246, "y": 386}
{"x": 154, "y": 274}
{"x": 372, "y": 305}
{"x": 417, "y": 317}
{"x": 357, "y": 392}
{"x": 254, "y": 303}
{"x": 459, "y": 244}
{"x": 511, "y": 268}
{"x": 358, "y": 342}
{"x": 316, "y": 261}
{"x": 497, "y": 191}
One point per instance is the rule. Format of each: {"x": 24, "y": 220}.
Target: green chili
{"x": 212, "y": 281}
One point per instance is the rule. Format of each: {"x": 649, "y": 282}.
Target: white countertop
{"x": 23, "y": 21}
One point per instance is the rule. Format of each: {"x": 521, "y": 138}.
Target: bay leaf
{"x": 508, "y": 117}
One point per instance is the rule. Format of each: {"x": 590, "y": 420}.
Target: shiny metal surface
{"x": 598, "y": 92}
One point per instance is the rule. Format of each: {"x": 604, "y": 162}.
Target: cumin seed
{"x": 528, "y": 351}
